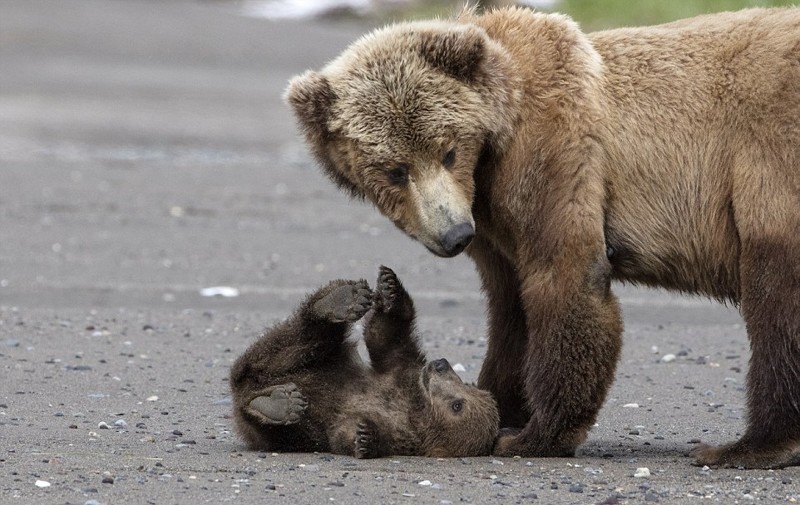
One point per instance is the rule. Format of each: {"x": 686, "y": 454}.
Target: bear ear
{"x": 458, "y": 52}
{"x": 311, "y": 96}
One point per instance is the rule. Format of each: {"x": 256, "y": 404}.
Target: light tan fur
{"x": 665, "y": 155}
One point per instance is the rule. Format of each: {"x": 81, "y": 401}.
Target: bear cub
{"x": 302, "y": 387}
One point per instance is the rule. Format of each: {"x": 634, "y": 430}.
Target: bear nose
{"x": 457, "y": 238}
{"x": 441, "y": 365}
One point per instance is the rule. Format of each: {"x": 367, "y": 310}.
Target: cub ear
{"x": 458, "y": 52}
{"x": 310, "y": 96}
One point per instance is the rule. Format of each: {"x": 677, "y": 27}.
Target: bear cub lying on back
{"x": 302, "y": 387}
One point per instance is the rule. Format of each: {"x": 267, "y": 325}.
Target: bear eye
{"x": 457, "y": 405}
{"x": 399, "y": 174}
{"x": 449, "y": 158}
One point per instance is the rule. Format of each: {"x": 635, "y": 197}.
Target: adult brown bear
{"x": 666, "y": 155}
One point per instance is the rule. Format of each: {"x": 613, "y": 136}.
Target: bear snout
{"x": 441, "y": 365}
{"x": 457, "y": 238}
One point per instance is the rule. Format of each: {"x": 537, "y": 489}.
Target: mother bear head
{"x": 403, "y": 117}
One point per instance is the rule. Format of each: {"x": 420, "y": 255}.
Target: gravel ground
{"x": 145, "y": 155}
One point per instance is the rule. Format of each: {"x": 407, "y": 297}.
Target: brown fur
{"x": 398, "y": 406}
{"x": 665, "y": 155}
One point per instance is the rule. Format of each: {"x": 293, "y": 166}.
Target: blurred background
{"x": 591, "y": 14}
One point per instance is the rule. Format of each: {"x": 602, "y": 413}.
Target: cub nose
{"x": 441, "y": 365}
{"x": 457, "y": 238}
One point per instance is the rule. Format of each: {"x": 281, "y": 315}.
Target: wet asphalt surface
{"x": 145, "y": 154}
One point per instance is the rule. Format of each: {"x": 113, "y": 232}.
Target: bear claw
{"x": 366, "y": 445}
{"x": 279, "y": 405}
{"x": 743, "y": 455}
{"x": 391, "y": 297}
{"x": 387, "y": 287}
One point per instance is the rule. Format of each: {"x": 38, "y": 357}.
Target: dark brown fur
{"x": 398, "y": 406}
{"x": 667, "y": 155}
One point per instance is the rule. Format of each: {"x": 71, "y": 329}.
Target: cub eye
{"x": 457, "y": 405}
{"x": 399, "y": 174}
{"x": 449, "y": 158}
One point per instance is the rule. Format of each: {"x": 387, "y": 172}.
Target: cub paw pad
{"x": 280, "y": 405}
{"x": 347, "y": 303}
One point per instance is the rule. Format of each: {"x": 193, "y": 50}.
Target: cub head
{"x": 402, "y": 117}
{"x": 462, "y": 420}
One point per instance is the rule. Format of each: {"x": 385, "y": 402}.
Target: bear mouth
{"x": 442, "y": 254}
{"x": 451, "y": 252}
{"x": 425, "y": 378}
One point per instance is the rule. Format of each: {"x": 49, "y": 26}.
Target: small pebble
{"x": 668, "y": 358}
{"x": 153, "y": 398}
{"x": 651, "y": 497}
{"x": 222, "y": 291}
{"x": 631, "y": 406}
{"x": 642, "y": 472}
{"x": 103, "y": 425}
{"x": 576, "y": 488}
{"x": 120, "y": 423}
{"x": 42, "y": 483}
{"x": 425, "y": 483}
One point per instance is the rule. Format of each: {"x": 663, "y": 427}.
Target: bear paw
{"x": 366, "y": 445}
{"x": 345, "y": 304}
{"x": 745, "y": 455}
{"x": 390, "y": 295}
{"x": 279, "y": 405}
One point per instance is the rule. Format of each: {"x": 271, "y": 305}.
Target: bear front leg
{"x": 574, "y": 341}
{"x": 358, "y": 436}
{"x": 501, "y": 372}
{"x": 389, "y": 329}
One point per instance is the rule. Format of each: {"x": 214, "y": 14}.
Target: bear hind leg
{"x": 770, "y": 304}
